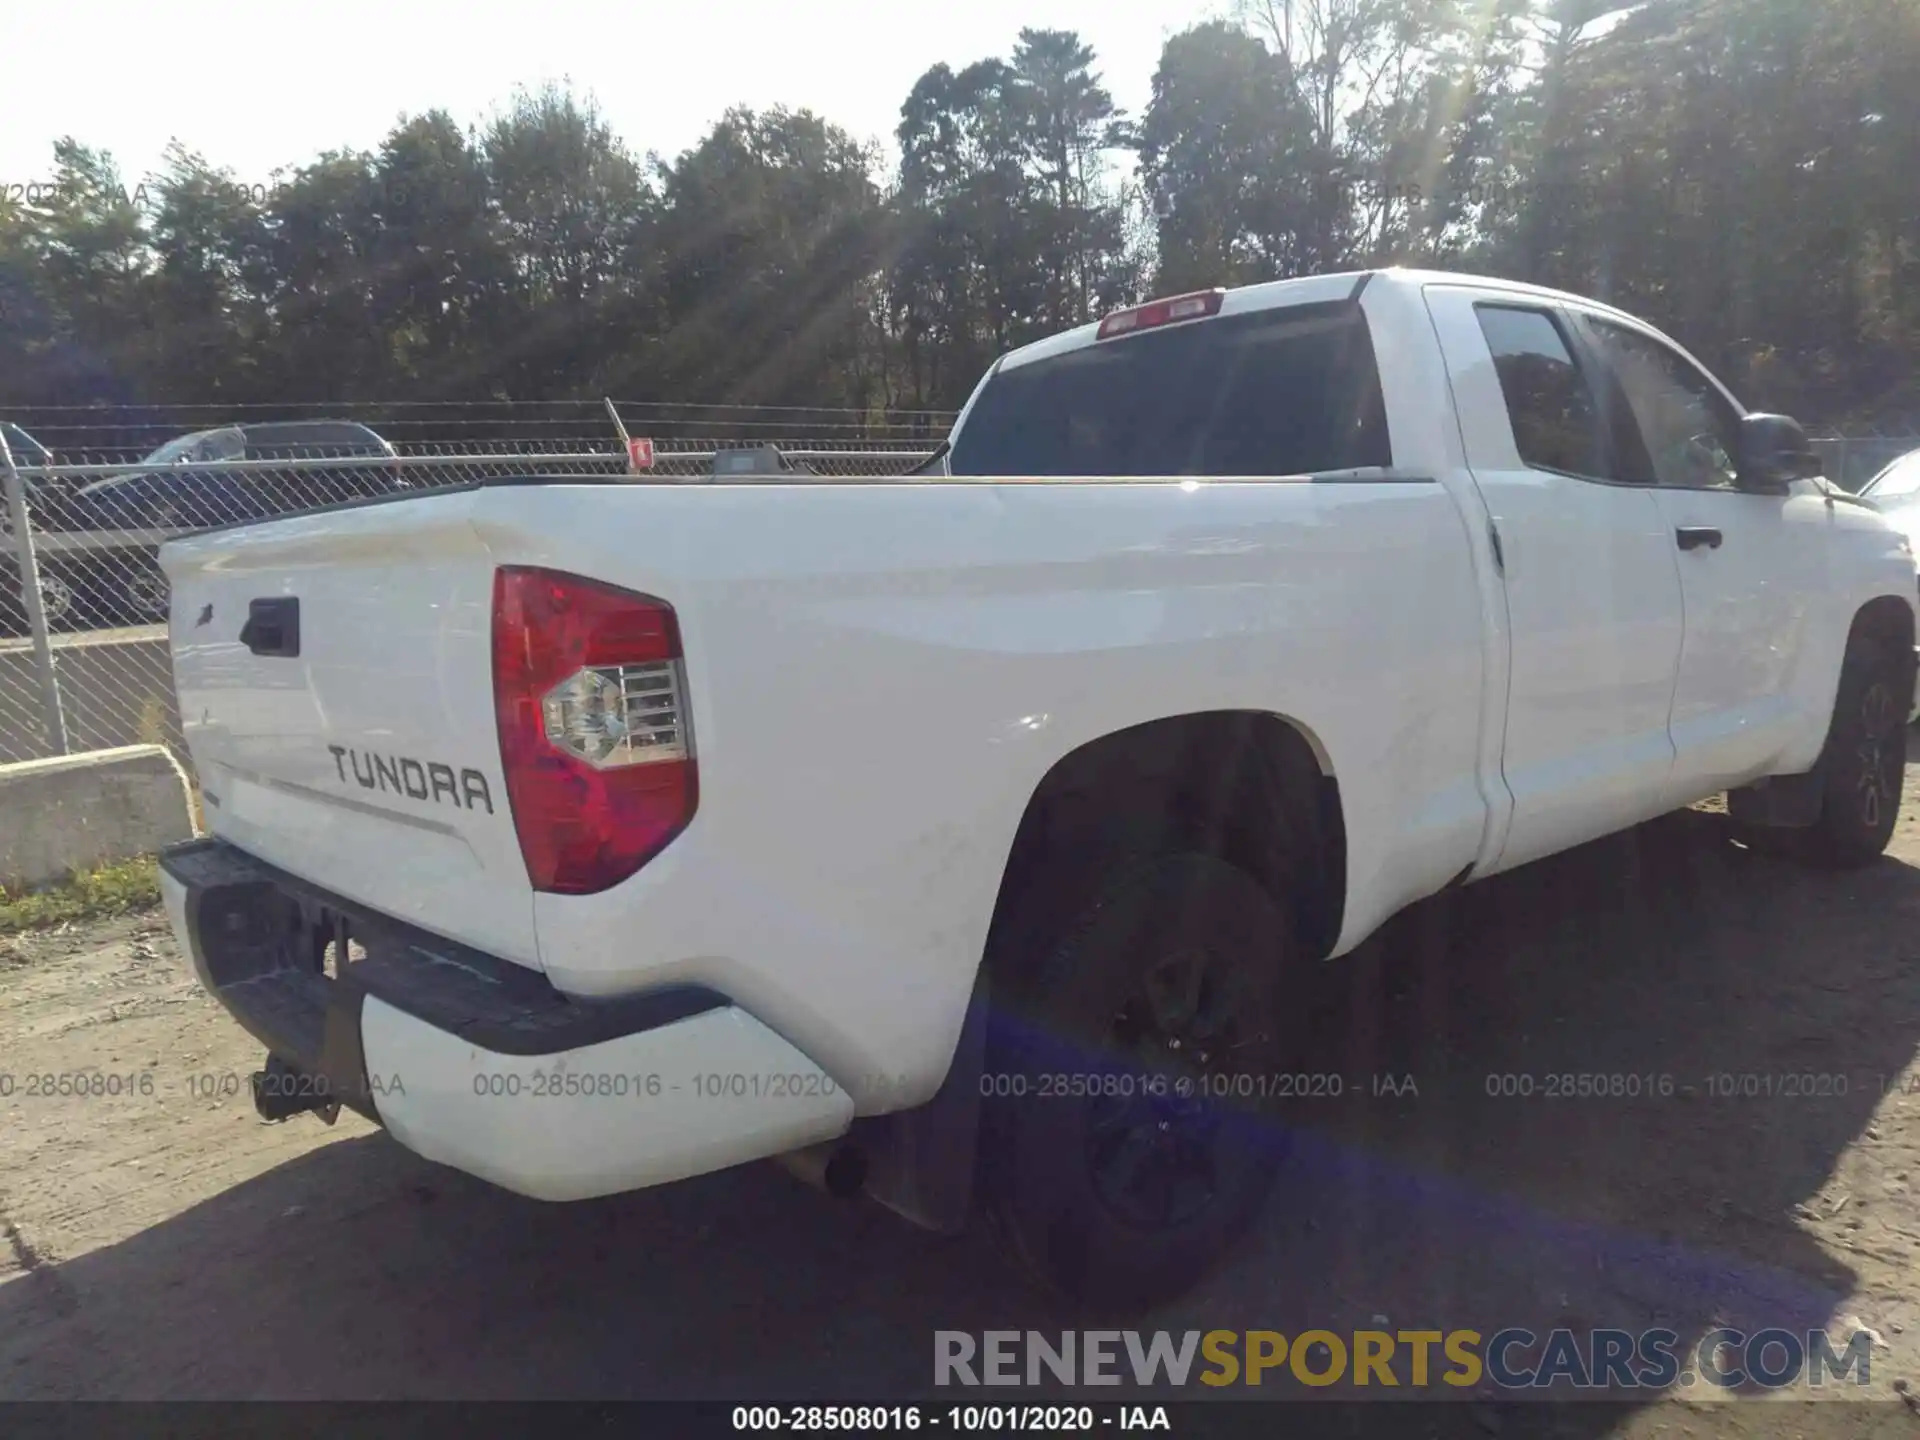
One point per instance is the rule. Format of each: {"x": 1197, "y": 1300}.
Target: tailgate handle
{"x": 273, "y": 626}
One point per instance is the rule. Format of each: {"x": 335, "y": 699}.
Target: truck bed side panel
{"x": 882, "y": 675}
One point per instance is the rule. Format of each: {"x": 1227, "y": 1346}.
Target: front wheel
{"x": 1124, "y": 1149}
{"x": 1864, "y": 765}
{"x": 58, "y": 602}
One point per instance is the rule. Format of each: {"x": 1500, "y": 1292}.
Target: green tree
{"x": 209, "y": 238}
{"x": 1229, "y": 163}
{"x": 443, "y": 273}
{"x": 576, "y": 213}
{"x": 1727, "y": 167}
{"x": 963, "y": 281}
{"x": 1064, "y": 124}
{"x": 770, "y": 241}
{"x": 316, "y": 275}
{"x": 1739, "y": 171}
{"x": 1010, "y": 221}
{"x": 84, "y": 241}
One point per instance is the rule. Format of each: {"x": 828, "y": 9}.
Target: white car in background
{"x": 1898, "y": 486}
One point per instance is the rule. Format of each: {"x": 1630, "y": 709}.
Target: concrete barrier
{"x": 76, "y": 812}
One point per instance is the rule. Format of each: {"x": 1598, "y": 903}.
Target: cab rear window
{"x": 1291, "y": 391}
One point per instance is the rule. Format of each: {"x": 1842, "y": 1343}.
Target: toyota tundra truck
{"x": 959, "y": 838}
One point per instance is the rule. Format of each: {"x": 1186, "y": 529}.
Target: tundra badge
{"x": 415, "y": 779}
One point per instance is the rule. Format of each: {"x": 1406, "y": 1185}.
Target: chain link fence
{"x": 1853, "y": 459}
{"x": 84, "y": 658}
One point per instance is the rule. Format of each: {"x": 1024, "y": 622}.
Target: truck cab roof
{"x": 1304, "y": 290}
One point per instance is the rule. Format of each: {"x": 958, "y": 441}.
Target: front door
{"x": 1753, "y": 569}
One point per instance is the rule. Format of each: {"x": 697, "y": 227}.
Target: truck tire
{"x": 1863, "y": 767}
{"x": 1118, "y": 1159}
{"x": 1864, "y": 763}
{"x": 143, "y": 591}
{"x": 59, "y": 602}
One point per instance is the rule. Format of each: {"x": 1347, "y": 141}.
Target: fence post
{"x": 613, "y": 413}
{"x": 28, "y": 565}
{"x": 1846, "y": 475}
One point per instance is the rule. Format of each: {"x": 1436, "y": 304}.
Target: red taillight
{"x": 590, "y": 697}
{"x": 1170, "y": 311}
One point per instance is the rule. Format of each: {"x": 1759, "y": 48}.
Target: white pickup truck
{"x": 956, "y": 837}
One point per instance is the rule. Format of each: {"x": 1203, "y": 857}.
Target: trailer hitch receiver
{"x": 280, "y": 1092}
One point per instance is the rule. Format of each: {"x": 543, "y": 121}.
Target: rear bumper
{"x": 481, "y": 1064}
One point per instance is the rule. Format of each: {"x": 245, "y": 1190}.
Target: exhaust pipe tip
{"x": 835, "y": 1167}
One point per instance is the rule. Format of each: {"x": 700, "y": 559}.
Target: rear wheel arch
{"x": 1254, "y": 788}
{"x": 1102, "y": 812}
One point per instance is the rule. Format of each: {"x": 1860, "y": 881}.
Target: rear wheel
{"x": 1124, "y": 1151}
{"x": 144, "y": 591}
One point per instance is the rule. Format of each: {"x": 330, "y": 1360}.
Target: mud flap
{"x": 1781, "y": 802}
{"x": 921, "y": 1161}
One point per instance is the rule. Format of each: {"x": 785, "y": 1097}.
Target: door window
{"x": 1690, "y": 432}
{"x": 217, "y": 445}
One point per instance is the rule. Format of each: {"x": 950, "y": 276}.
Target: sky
{"x": 258, "y": 86}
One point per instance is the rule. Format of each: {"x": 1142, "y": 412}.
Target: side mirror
{"x": 1774, "y": 452}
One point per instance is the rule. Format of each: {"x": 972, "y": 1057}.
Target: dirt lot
{"x": 164, "y": 1243}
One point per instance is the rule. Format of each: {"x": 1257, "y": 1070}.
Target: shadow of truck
{"x": 361, "y": 1271}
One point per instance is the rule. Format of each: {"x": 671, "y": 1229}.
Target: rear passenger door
{"x": 1592, "y": 584}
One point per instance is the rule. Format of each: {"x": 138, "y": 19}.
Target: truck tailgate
{"x": 348, "y": 735}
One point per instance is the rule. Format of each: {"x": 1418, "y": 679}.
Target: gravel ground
{"x": 163, "y": 1243}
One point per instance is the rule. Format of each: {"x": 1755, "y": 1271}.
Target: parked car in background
{"x": 185, "y": 485}
{"x": 1895, "y": 493}
{"x": 1900, "y": 481}
{"x": 180, "y": 485}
